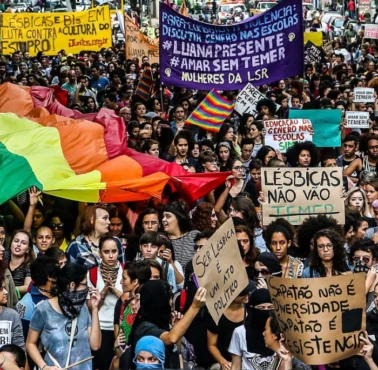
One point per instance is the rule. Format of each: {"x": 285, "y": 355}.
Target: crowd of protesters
{"x": 115, "y": 281}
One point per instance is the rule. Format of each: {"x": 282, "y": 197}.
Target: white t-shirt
{"x": 250, "y": 361}
{"x": 106, "y": 313}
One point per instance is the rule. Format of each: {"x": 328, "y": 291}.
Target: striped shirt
{"x": 184, "y": 247}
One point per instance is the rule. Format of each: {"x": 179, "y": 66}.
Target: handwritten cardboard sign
{"x": 247, "y": 100}
{"x": 322, "y": 318}
{"x": 139, "y": 45}
{"x": 281, "y": 134}
{"x": 371, "y": 31}
{"x": 357, "y": 119}
{"x": 219, "y": 268}
{"x": 363, "y": 95}
{"x": 298, "y": 193}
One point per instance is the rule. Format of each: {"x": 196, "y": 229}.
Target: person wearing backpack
{"x": 107, "y": 278}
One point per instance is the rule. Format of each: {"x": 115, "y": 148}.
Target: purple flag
{"x": 260, "y": 50}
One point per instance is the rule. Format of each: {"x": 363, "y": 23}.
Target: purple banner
{"x": 260, "y": 50}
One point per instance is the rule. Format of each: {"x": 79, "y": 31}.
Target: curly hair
{"x": 339, "y": 264}
{"x": 201, "y": 217}
{"x": 293, "y": 153}
{"x": 252, "y": 254}
{"x": 310, "y": 227}
{"x": 279, "y": 226}
{"x": 267, "y": 103}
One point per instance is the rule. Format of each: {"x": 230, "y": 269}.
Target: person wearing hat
{"x": 219, "y": 336}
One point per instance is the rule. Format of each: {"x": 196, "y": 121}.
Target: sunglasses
{"x": 57, "y": 226}
{"x": 262, "y": 272}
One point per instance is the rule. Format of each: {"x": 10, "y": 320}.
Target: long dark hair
{"x": 138, "y": 228}
{"x": 245, "y": 206}
{"x": 339, "y": 259}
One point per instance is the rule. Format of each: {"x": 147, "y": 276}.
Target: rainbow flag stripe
{"x": 211, "y": 112}
{"x": 82, "y": 157}
{"x": 145, "y": 85}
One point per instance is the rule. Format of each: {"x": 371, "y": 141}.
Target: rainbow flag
{"x": 211, "y": 112}
{"x": 82, "y": 157}
{"x": 145, "y": 85}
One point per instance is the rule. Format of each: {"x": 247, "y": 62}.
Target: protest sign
{"x": 357, "y": 119}
{"x": 371, "y": 31}
{"x": 298, "y": 193}
{"x": 313, "y": 54}
{"x": 321, "y": 318}
{"x": 139, "y": 45}
{"x": 219, "y": 268}
{"x": 51, "y": 32}
{"x": 281, "y": 134}
{"x": 326, "y": 125}
{"x": 5, "y": 332}
{"x": 363, "y": 95}
{"x": 247, "y": 100}
{"x": 315, "y": 37}
{"x": 260, "y": 50}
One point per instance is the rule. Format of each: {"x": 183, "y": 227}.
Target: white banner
{"x": 357, "y": 119}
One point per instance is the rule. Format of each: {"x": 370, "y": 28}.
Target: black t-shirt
{"x": 224, "y": 329}
{"x": 117, "y": 311}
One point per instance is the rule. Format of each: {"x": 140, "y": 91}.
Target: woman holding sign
{"x": 303, "y": 155}
{"x": 328, "y": 257}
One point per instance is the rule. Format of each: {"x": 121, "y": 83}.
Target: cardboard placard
{"x": 219, "y": 268}
{"x": 247, "y": 100}
{"x": 326, "y": 125}
{"x": 139, "y": 45}
{"x": 357, "y": 119}
{"x": 298, "y": 193}
{"x": 313, "y": 53}
{"x": 363, "y": 95}
{"x": 322, "y": 318}
{"x": 371, "y": 31}
{"x": 281, "y": 134}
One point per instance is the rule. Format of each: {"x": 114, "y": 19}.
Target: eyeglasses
{"x": 2, "y": 288}
{"x": 150, "y": 223}
{"x": 239, "y": 168}
{"x": 324, "y": 246}
{"x": 262, "y": 272}
{"x": 57, "y": 226}
{"x": 213, "y": 162}
{"x": 366, "y": 259}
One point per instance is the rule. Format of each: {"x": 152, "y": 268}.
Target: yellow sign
{"x": 315, "y": 37}
{"x": 51, "y": 32}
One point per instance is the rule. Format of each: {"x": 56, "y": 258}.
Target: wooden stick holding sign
{"x": 218, "y": 267}
{"x": 78, "y": 363}
{"x": 322, "y": 318}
